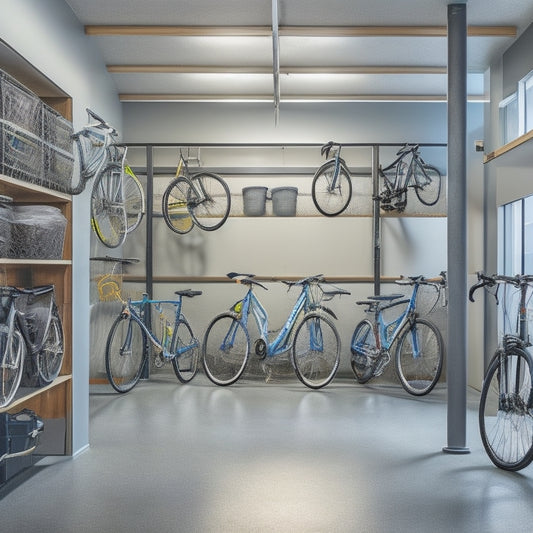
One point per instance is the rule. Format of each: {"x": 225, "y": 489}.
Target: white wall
{"x": 46, "y": 33}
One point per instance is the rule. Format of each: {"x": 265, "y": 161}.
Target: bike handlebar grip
{"x": 474, "y": 288}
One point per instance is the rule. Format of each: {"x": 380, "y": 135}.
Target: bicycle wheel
{"x": 186, "y": 362}
{"x": 125, "y": 353}
{"x": 108, "y": 212}
{"x": 226, "y": 349}
{"x": 50, "y": 357}
{"x": 316, "y": 351}
{"x": 427, "y": 184}
{"x": 331, "y": 199}
{"x": 209, "y": 201}
{"x": 364, "y": 351}
{"x": 134, "y": 202}
{"x": 419, "y": 357}
{"x": 12, "y": 364}
{"x": 505, "y": 420}
{"x": 174, "y": 207}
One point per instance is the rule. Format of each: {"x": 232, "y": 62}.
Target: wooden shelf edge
{"x": 508, "y": 147}
{"x": 38, "y": 192}
{"x": 36, "y": 262}
{"x": 23, "y": 399}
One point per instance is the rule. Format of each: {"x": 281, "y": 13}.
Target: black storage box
{"x": 19, "y": 435}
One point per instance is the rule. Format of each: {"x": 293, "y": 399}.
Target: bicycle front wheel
{"x": 331, "y": 193}
{"x": 134, "y": 202}
{"x": 427, "y": 184}
{"x": 186, "y": 350}
{"x": 316, "y": 351}
{"x": 419, "y": 357}
{"x": 364, "y": 351}
{"x": 11, "y": 365}
{"x": 505, "y": 420}
{"x": 108, "y": 212}
{"x": 50, "y": 357}
{"x": 174, "y": 207}
{"x": 209, "y": 201}
{"x": 226, "y": 350}
{"x": 125, "y": 353}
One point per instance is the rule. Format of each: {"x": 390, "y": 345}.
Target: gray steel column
{"x": 376, "y": 219}
{"x": 457, "y": 230}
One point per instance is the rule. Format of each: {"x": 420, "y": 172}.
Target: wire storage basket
{"x": 254, "y": 201}
{"x": 284, "y": 201}
{"x": 6, "y": 222}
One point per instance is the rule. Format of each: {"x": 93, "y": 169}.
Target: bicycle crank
{"x": 260, "y": 348}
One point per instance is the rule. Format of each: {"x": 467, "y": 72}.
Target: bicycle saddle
{"x": 188, "y": 292}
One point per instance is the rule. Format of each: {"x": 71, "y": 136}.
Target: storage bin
{"x": 254, "y": 201}
{"x": 284, "y": 201}
{"x": 6, "y": 221}
{"x": 19, "y": 106}
{"x": 57, "y": 130}
{"x": 58, "y": 169}
{"x": 21, "y": 154}
{"x": 38, "y": 232}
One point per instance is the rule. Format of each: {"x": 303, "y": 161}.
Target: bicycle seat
{"x": 385, "y": 297}
{"x": 188, "y": 292}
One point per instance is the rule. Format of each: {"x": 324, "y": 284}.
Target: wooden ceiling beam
{"x": 296, "y": 31}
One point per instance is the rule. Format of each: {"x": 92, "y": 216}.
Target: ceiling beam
{"x": 207, "y": 69}
{"x": 297, "y": 31}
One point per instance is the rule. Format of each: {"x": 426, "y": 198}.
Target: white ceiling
{"x": 377, "y": 58}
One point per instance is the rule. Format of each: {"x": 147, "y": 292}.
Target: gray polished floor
{"x": 258, "y": 457}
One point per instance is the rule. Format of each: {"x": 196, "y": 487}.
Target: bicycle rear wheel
{"x": 505, "y": 420}
{"x": 174, "y": 206}
{"x": 363, "y": 348}
{"x": 125, "y": 353}
{"x": 50, "y": 357}
{"x": 316, "y": 351}
{"x": 226, "y": 349}
{"x": 13, "y": 350}
{"x": 330, "y": 198}
{"x": 419, "y": 357}
{"x": 108, "y": 211}
{"x": 209, "y": 201}
{"x": 134, "y": 201}
{"x": 427, "y": 184}
{"x": 185, "y": 363}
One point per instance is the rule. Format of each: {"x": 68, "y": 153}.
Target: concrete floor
{"x": 278, "y": 457}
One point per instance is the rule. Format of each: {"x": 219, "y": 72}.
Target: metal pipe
{"x": 275, "y": 60}
{"x": 457, "y": 226}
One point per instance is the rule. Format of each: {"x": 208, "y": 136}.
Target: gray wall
{"x": 46, "y": 33}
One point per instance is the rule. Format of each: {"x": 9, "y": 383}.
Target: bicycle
{"x": 308, "y": 333}
{"x": 331, "y": 188}
{"x": 419, "y": 345}
{"x": 126, "y": 352}
{"x": 202, "y": 199}
{"x": 117, "y": 198}
{"x": 31, "y": 339}
{"x": 505, "y": 406}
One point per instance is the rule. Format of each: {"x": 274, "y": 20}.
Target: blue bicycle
{"x": 126, "y": 353}
{"x": 309, "y": 335}
{"x": 419, "y": 346}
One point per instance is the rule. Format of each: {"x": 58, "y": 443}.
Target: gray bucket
{"x": 284, "y": 201}
{"x": 254, "y": 201}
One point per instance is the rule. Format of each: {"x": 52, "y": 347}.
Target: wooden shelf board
{"x": 508, "y": 147}
{"x": 32, "y": 193}
{"x": 36, "y": 262}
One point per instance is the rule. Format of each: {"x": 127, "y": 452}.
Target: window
{"x": 526, "y": 87}
{"x": 516, "y": 111}
{"x": 509, "y": 118}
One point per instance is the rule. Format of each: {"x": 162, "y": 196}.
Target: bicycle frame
{"x": 160, "y": 344}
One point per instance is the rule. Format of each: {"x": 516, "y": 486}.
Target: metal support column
{"x": 457, "y": 230}
{"x": 376, "y": 220}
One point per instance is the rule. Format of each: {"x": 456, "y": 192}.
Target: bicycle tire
{"x": 225, "y": 350}
{"x": 427, "y": 184}
{"x": 125, "y": 353}
{"x": 329, "y": 203}
{"x": 185, "y": 365}
{"x": 505, "y": 421}
{"x": 316, "y": 351}
{"x": 134, "y": 200}
{"x": 174, "y": 206}
{"x": 50, "y": 357}
{"x": 11, "y": 371}
{"x": 363, "y": 348}
{"x": 212, "y": 210}
{"x": 419, "y": 375}
{"x": 108, "y": 212}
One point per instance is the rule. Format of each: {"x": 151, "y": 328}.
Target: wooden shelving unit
{"x": 55, "y": 400}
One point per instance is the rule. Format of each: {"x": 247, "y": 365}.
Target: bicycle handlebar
{"x": 325, "y": 150}
{"x": 101, "y": 122}
{"x": 485, "y": 280}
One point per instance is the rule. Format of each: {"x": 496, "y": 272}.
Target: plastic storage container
{"x": 38, "y": 232}
{"x": 284, "y": 201}
{"x": 254, "y": 201}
